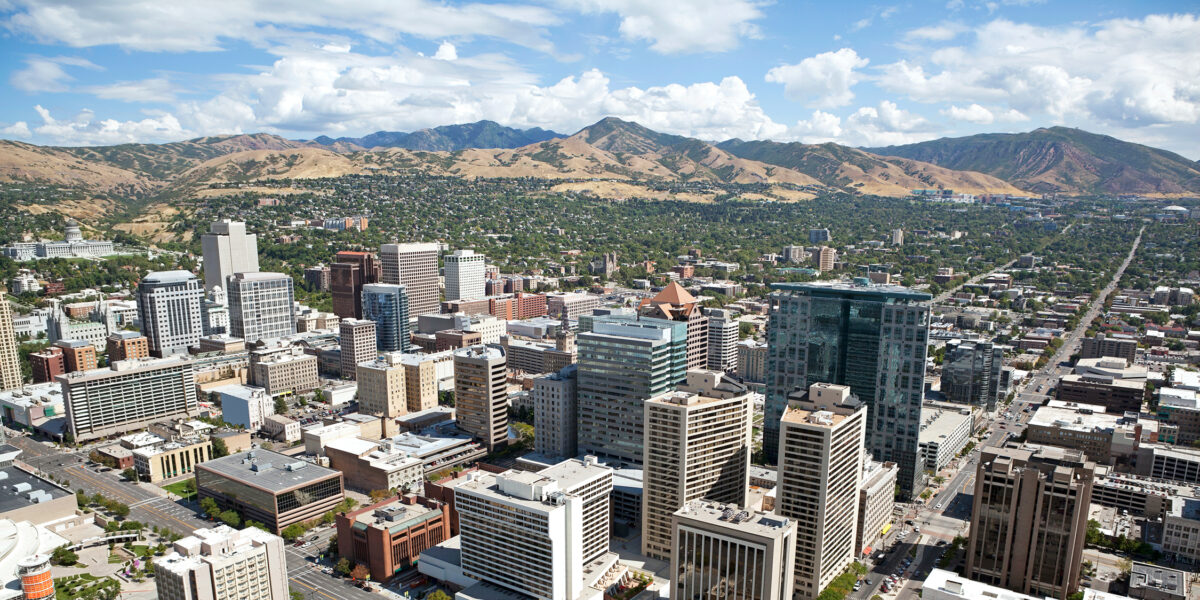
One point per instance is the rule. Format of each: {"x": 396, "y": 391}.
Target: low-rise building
{"x": 1116, "y": 395}
{"x": 281, "y": 428}
{"x": 1174, "y": 463}
{"x": 752, "y": 361}
{"x": 245, "y": 406}
{"x": 876, "y": 498}
{"x": 421, "y": 420}
{"x": 370, "y": 466}
{"x": 1181, "y": 530}
{"x": 944, "y": 433}
{"x": 1154, "y": 582}
{"x": 33, "y": 405}
{"x": 389, "y": 536}
{"x": 284, "y": 372}
{"x": 1142, "y": 496}
{"x": 270, "y": 488}
{"x": 170, "y": 459}
{"x": 316, "y": 438}
{"x": 1102, "y": 436}
{"x": 1179, "y": 408}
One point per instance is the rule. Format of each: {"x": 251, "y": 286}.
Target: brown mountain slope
{"x": 26, "y": 163}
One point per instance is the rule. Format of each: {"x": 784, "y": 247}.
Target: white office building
{"x": 128, "y": 395}
{"x": 535, "y": 533}
{"x": 722, "y": 341}
{"x": 718, "y": 547}
{"x": 224, "y": 563}
{"x": 168, "y": 305}
{"x": 261, "y": 306}
{"x": 464, "y": 275}
{"x": 228, "y": 249}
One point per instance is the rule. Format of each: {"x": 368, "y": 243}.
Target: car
{"x": 939, "y": 506}
{"x": 916, "y": 530}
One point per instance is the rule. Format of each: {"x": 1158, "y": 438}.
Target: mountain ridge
{"x": 1061, "y": 159}
{"x": 447, "y": 138}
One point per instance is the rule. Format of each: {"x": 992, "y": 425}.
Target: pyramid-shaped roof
{"x": 673, "y": 294}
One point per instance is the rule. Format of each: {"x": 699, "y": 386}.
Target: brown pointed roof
{"x": 673, "y": 294}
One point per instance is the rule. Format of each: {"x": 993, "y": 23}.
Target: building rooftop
{"x": 260, "y": 276}
{"x": 1131, "y": 384}
{"x": 949, "y": 583}
{"x": 939, "y": 423}
{"x": 211, "y": 545}
{"x": 37, "y": 393}
{"x": 20, "y": 488}
{"x": 1077, "y": 417}
{"x": 1185, "y": 379}
{"x": 1186, "y": 508}
{"x": 841, "y": 289}
{"x": 731, "y": 516}
{"x": 395, "y": 514}
{"x": 1178, "y": 398}
{"x": 124, "y": 367}
{"x": 266, "y": 469}
{"x": 813, "y": 418}
{"x": 177, "y": 276}
{"x": 141, "y": 439}
{"x": 1162, "y": 579}
{"x": 572, "y": 472}
{"x": 1117, "y": 368}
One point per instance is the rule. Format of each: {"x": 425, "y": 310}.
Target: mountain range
{"x": 447, "y": 138}
{"x": 613, "y": 158}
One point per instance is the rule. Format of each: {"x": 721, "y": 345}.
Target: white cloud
{"x": 879, "y": 12}
{"x": 46, "y": 73}
{"x": 152, "y": 25}
{"x": 682, "y": 26}
{"x": 971, "y": 114}
{"x": 1123, "y": 72}
{"x": 446, "y": 51}
{"x": 821, "y": 127}
{"x": 85, "y": 130}
{"x": 156, "y": 89}
{"x": 19, "y": 130}
{"x": 942, "y": 32}
{"x": 885, "y": 125}
{"x": 823, "y": 80}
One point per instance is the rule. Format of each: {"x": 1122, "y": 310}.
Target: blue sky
{"x": 861, "y": 73}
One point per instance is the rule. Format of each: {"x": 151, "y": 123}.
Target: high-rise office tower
{"x": 820, "y": 472}
{"x": 227, "y": 249}
{"x": 897, "y": 237}
{"x": 534, "y": 533}
{"x": 169, "y": 310}
{"x": 556, "y": 412}
{"x": 357, "y": 344}
{"x": 10, "y": 358}
{"x": 674, "y": 303}
{"x": 381, "y": 386}
{"x": 697, "y": 446}
{"x": 347, "y": 276}
{"x": 872, "y": 338}
{"x": 622, "y": 363}
{"x": 971, "y": 372}
{"x": 816, "y": 236}
{"x": 481, "y": 394}
{"x": 721, "y": 552}
{"x": 387, "y": 305}
{"x": 415, "y": 266}
{"x": 223, "y": 562}
{"x": 794, "y": 254}
{"x": 723, "y": 333}
{"x": 464, "y": 275}
{"x": 1029, "y": 521}
{"x": 261, "y": 306}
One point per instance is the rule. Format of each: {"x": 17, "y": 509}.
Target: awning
{"x": 867, "y": 551}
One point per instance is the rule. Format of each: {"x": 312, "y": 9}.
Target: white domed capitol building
{"x": 72, "y": 246}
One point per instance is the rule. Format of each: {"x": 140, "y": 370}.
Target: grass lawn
{"x": 81, "y": 586}
{"x": 179, "y": 488}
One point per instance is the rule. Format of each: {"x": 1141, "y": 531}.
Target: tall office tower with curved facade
{"x": 169, "y": 309}
{"x": 387, "y": 305}
{"x": 873, "y": 338}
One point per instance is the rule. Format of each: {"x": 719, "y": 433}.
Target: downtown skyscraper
{"x": 227, "y": 249}
{"x": 415, "y": 266}
{"x": 387, "y": 305}
{"x": 168, "y": 305}
{"x": 872, "y": 338}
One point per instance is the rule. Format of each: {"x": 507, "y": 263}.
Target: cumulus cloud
{"x": 18, "y": 130}
{"x": 46, "y": 73}
{"x": 821, "y": 81}
{"x": 446, "y": 51}
{"x": 885, "y": 125}
{"x": 821, "y": 127}
{"x": 683, "y": 26}
{"x": 307, "y": 90}
{"x": 155, "y": 26}
{"x": 941, "y": 32}
{"x": 971, "y": 114}
{"x": 1122, "y": 72}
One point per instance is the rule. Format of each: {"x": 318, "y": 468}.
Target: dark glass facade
{"x": 871, "y": 338}
{"x": 387, "y": 305}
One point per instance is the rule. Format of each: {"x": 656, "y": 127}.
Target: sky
{"x": 94, "y": 72}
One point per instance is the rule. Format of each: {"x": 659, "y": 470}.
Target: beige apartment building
{"x": 10, "y": 361}
{"x": 292, "y": 372}
{"x": 420, "y": 382}
{"x": 1030, "y": 519}
{"x": 381, "y": 386}
{"x": 357, "y": 343}
{"x": 697, "y": 446}
{"x": 821, "y": 451}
